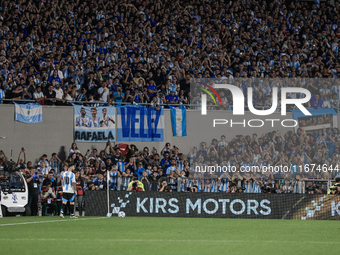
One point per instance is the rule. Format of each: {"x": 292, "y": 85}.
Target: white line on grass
{"x": 47, "y": 221}
{"x": 169, "y": 240}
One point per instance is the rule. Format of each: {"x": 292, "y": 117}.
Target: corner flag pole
{"x": 107, "y": 193}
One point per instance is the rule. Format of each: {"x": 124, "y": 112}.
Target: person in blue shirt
{"x": 316, "y": 101}
{"x": 172, "y": 98}
{"x": 54, "y": 77}
{"x": 102, "y": 48}
{"x": 152, "y": 88}
{"x": 118, "y": 95}
{"x": 140, "y": 169}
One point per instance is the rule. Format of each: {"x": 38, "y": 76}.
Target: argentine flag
{"x": 179, "y": 120}
{"x": 28, "y": 113}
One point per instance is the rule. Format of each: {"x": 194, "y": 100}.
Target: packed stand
{"x": 56, "y": 52}
{"x": 312, "y": 160}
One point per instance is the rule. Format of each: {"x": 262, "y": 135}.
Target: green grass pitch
{"x": 151, "y": 235}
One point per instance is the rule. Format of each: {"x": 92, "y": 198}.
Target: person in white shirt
{"x": 38, "y": 95}
{"x": 60, "y": 73}
{"x": 59, "y": 94}
{"x": 103, "y": 92}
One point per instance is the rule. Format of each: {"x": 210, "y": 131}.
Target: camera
{"x": 267, "y": 189}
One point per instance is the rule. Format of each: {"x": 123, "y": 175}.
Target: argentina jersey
{"x": 207, "y": 187}
{"x": 172, "y": 180}
{"x": 68, "y": 180}
{"x": 82, "y": 122}
{"x": 189, "y": 183}
{"x": 298, "y": 185}
{"x": 199, "y": 184}
{"x": 256, "y": 188}
{"x": 170, "y": 169}
{"x": 214, "y": 186}
{"x": 43, "y": 171}
{"x": 182, "y": 186}
{"x": 113, "y": 180}
{"x": 104, "y": 120}
{"x": 121, "y": 166}
{"x": 94, "y": 122}
{"x": 336, "y": 89}
{"x": 248, "y": 187}
{"x": 180, "y": 165}
{"x": 126, "y": 181}
{"x": 224, "y": 185}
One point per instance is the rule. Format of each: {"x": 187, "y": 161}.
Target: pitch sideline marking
{"x": 169, "y": 240}
{"x": 47, "y": 221}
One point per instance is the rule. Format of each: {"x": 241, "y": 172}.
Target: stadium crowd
{"x": 305, "y": 155}
{"x": 138, "y": 51}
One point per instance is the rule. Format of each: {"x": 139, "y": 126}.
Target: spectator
{"x": 80, "y": 192}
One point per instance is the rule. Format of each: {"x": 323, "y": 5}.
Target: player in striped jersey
{"x": 68, "y": 183}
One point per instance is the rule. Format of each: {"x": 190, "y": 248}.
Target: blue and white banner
{"x": 28, "y": 113}
{"x": 94, "y": 124}
{"x": 179, "y": 120}
{"x": 140, "y": 124}
{"x": 320, "y": 118}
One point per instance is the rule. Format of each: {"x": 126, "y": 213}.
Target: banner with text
{"x": 140, "y": 124}
{"x": 215, "y": 205}
{"x": 94, "y": 124}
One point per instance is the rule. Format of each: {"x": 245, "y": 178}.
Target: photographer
{"x": 193, "y": 189}
{"x": 135, "y": 185}
{"x": 335, "y": 189}
{"x": 48, "y": 197}
{"x": 163, "y": 186}
{"x": 232, "y": 188}
{"x": 268, "y": 188}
